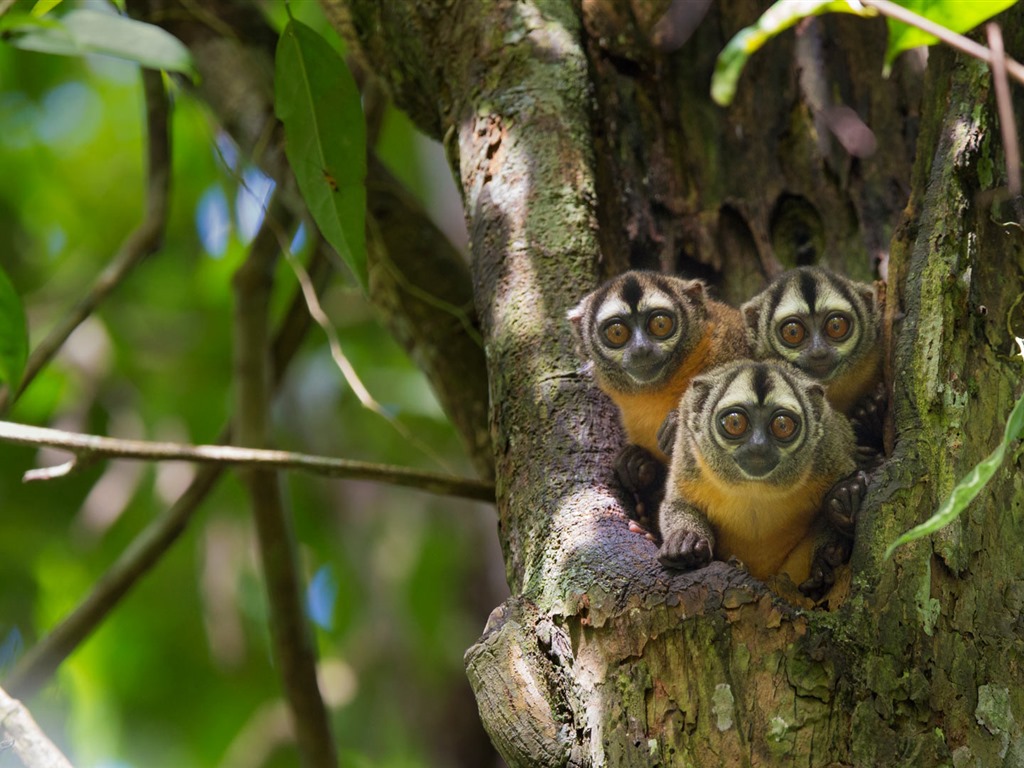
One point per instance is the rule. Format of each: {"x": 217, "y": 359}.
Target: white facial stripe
{"x": 611, "y": 308}
{"x": 656, "y": 300}
{"x": 740, "y": 391}
{"x": 830, "y": 300}
{"x": 790, "y": 303}
{"x": 615, "y": 307}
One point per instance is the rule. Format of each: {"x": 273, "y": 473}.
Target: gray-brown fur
{"x": 756, "y": 497}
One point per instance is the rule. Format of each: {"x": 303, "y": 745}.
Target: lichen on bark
{"x": 583, "y": 151}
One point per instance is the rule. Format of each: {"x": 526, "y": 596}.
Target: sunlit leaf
{"x": 86, "y": 31}
{"x": 970, "y": 486}
{"x": 957, "y": 15}
{"x": 13, "y": 24}
{"x": 318, "y": 102}
{"x": 13, "y": 335}
{"x": 781, "y": 16}
{"x": 43, "y": 7}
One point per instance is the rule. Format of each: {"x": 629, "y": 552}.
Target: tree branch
{"x": 143, "y": 241}
{"x": 27, "y": 739}
{"x": 416, "y": 278}
{"x": 289, "y": 629}
{"x": 146, "y": 550}
{"x": 95, "y": 446}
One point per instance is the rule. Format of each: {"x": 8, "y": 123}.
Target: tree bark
{"x": 583, "y": 150}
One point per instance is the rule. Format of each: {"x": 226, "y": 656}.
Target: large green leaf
{"x": 781, "y": 16}
{"x": 970, "y": 486}
{"x": 957, "y": 15}
{"x": 318, "y": 102}
{"x": 86, "y": 31}
{"x": 13, "y": 335}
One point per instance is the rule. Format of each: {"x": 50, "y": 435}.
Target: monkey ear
{"x": 575, "y": 317}
{"x": 816, "y": 394}
{"x": 870, "y": 295}
{"x": 698, "y": 393}
{"x": 695, "y": 289}
{"x": 752, "y": 314}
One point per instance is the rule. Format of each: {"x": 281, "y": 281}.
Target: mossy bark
{"x": 583, "y": 150}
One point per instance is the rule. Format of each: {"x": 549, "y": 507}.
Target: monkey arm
{"x": 641, "y": 475}
{"x": 687, "y": 539}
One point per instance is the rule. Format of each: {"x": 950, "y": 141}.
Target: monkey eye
{"x": 838, "y": 326}
{"x": 733, "y": 423}
{"x": 792, "y": 332}
{"x": 784, "y": 426}
{"x": 616, "y": 333}
{"x": 660, "y": 325}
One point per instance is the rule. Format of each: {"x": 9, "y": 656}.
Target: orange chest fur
{"x": 757, "y": 523}
{"x": 843, "y": 394}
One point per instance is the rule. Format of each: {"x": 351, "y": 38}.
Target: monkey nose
{"x": 757, "y": 460}
{"x": 819, "y": 362}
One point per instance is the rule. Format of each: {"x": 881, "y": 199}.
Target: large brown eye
{"x": 792, "y": 332}
{"x": 734, "y": 423}
{"x": 616, "y": 333}
{"x": 783, "y": 426}
{"x": 837, "y": 326}
{"x": 660, "y": 325}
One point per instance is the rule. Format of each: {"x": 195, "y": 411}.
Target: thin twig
{"x": 341, "y": 361}
{"x": 1007, "y": 122}
{"x": 294, "y": 652}
{"x": 155, "y": 540}
{"x": 27, "y": 739}
{"x": 95, "y": 446}
{"x": 143, "y": 241}
{"x": 963, "y": 44}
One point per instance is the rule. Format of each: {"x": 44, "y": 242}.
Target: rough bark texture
{"x": 583, "y": 150}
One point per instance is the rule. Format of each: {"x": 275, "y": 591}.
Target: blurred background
{"x": 400, "y": 582}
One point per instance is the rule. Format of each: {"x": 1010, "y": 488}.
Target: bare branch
{"x": 236, "y": 69}
{"x": 294, "y": 652}
{"x": 145, "y": 240}
{"x": 95, "y": 446}
{"x": 39, "y": 663}
{"x": 1007, "y": 122}
{"x": 27, "y": 739}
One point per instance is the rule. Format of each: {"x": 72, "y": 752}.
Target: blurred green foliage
{"x": 180, "y": 674}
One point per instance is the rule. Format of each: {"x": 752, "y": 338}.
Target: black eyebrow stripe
{"x": 760, "y": 382}
{"x": 631, "y": 292}
{"x": 808, "y": 289}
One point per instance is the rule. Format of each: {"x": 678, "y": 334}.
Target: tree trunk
{"x": 583, "y": 150}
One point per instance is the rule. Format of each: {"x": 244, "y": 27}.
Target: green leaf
{"x": 318, "y": 102}
{"x": 86, "y": 31}
{"x": 970, "y": 486}
{"x": 43, "y": 7}
{"x": 781, "y": 16}
{"x": 13, "y": 335}
{"x": 957, "y": 15}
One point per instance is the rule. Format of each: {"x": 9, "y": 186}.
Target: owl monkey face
{"x": 636, "y": 329}
{"x": 754, "y": 421}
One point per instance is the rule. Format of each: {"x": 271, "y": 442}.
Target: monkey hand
{"x": 685, "y": 550}
{"x": 829, "y": 555}
{"x": 642, "y": 478}
{"x": 667, "y": 432}
{"x": 842, "y": 502}
{"x": 868, "y": 418}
